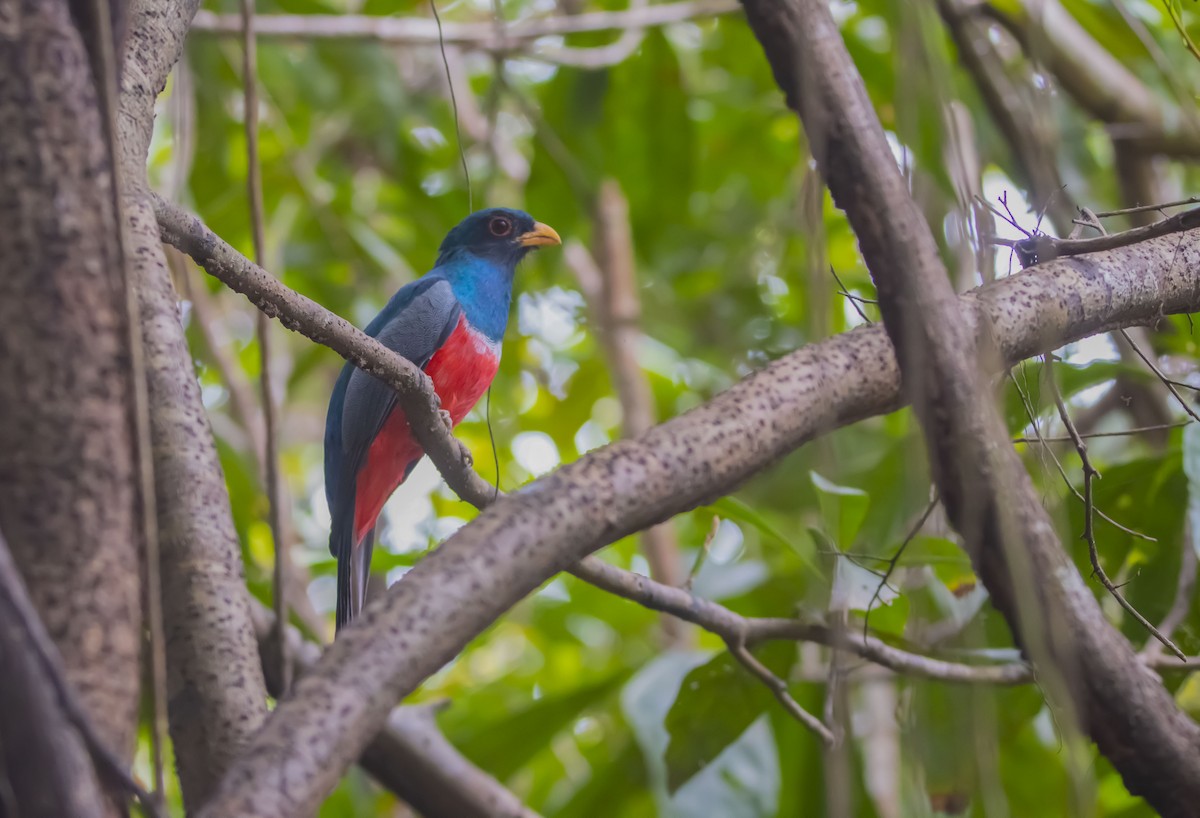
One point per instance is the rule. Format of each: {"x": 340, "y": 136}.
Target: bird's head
{"x": 497, "y": 234}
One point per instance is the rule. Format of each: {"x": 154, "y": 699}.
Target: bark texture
{"x": 409, "y": 755}
{"x": 67, "y": 497}
{"x": 525, "y": 537}
{"x": 216, "y": 693}
{"x": 1087, "y": 668}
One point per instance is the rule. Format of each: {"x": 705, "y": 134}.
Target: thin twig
{"x": 1137, "y": 430}
{"x": 1047, "y": 248}
{"x": 1154, "y": 368}
{"x": 1046, "y": 449}
{"x": 780, "y": 689}
{"x": 462, "y": 152}
{"x": 1089, "y": 475}
{"x": 854, "y": 299}
{"x": 1129, "y": 211}
{"x": 703, "y": 554}
{"x": 1004, "y": 215}
{"x": 1177, "y": 20}
{"x": 516, "y": 38}
{"x": 895, "y": 558}
{"x": 274, "y": 481}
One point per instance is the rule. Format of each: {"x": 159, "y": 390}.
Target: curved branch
{"x": 296, "y": 312}
{"x": 734, "y": 627}
{"x": 526, "y": 537}
{"x": 1089, "y": 671}
{"x": 409, "y": 755}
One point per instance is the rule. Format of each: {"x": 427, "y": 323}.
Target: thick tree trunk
{"x": 67, "y": 496}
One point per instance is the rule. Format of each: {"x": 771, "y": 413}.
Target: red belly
{"x": 461, "y": 372}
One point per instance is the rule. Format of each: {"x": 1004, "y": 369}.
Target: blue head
{"x": 479, "y": 256}
{"x": 498, "y": 235}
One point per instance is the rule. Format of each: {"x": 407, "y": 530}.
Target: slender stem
{"x": 273, "y": 479}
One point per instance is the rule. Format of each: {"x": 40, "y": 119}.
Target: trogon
{"x": 450, "y": 322}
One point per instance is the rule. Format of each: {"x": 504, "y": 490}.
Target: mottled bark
{"x": 525, "y": 537}
{"x": 216, "y": 693}
{"x": 1088, "y": 670}
{"x": 409, "y": 755}
{"x": 67, "y": 491}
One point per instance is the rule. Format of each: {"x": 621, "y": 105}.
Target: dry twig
{"x": 1170, "y": 384}
{"x": 270, "y": 461}
{"x": 1089, "y": 475}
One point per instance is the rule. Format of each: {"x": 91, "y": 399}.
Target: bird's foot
{"x": 446, "y": 419}
{"x": 465, "y": 453}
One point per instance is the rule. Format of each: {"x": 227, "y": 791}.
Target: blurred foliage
{"x": 570, "y": 698}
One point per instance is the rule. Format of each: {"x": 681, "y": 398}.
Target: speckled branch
{"x": 524, "y": 538}
{"x": 296, "y": 312}
{"x": 409, "y": 755}
{"x": 1089, "y": 671}
{"x": 217, "y": 697}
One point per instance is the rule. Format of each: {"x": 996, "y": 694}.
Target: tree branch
{"x": 526, "y": 537}
{"x": 217, "y": 697}
{"x": 733, "y": 627}
{"x": 409, "y": 755}
{"x": 298, "y": 313}
{"x": 1088, "y": 670}
{"x": 481, "y": 36}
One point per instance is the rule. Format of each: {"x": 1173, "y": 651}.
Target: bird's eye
{"x": 500, "y": 226}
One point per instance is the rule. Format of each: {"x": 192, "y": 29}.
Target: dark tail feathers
{"x": 354, "y": 570}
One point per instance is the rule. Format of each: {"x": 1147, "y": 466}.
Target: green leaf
{"x": 731, "y": 508}
{"x": 502, "y": 746}
{"x": 715, "y": 704}
{"x": 843, "y": 509}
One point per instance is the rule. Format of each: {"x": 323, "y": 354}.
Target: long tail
{"x": 354, "y": 570}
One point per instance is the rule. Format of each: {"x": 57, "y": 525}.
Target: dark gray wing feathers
{"x": 417, "y": 332}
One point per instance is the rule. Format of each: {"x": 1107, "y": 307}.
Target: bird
{"x": 449, "y": 322}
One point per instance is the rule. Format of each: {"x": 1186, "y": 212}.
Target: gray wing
{"x": 416, "y": 331}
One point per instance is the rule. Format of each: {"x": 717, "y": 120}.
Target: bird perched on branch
{"x": 450, "y": 322}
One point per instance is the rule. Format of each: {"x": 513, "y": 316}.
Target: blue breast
{"x": 483, "y": 288}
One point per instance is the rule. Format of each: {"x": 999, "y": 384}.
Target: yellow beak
{"x": 540, "y": 235}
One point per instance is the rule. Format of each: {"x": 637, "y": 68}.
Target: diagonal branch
{"x": 1087, "y": 668}
{"x": 409, "y": 755}
{"x": 296, "y": 312}
{"x": 525, "y": 538}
